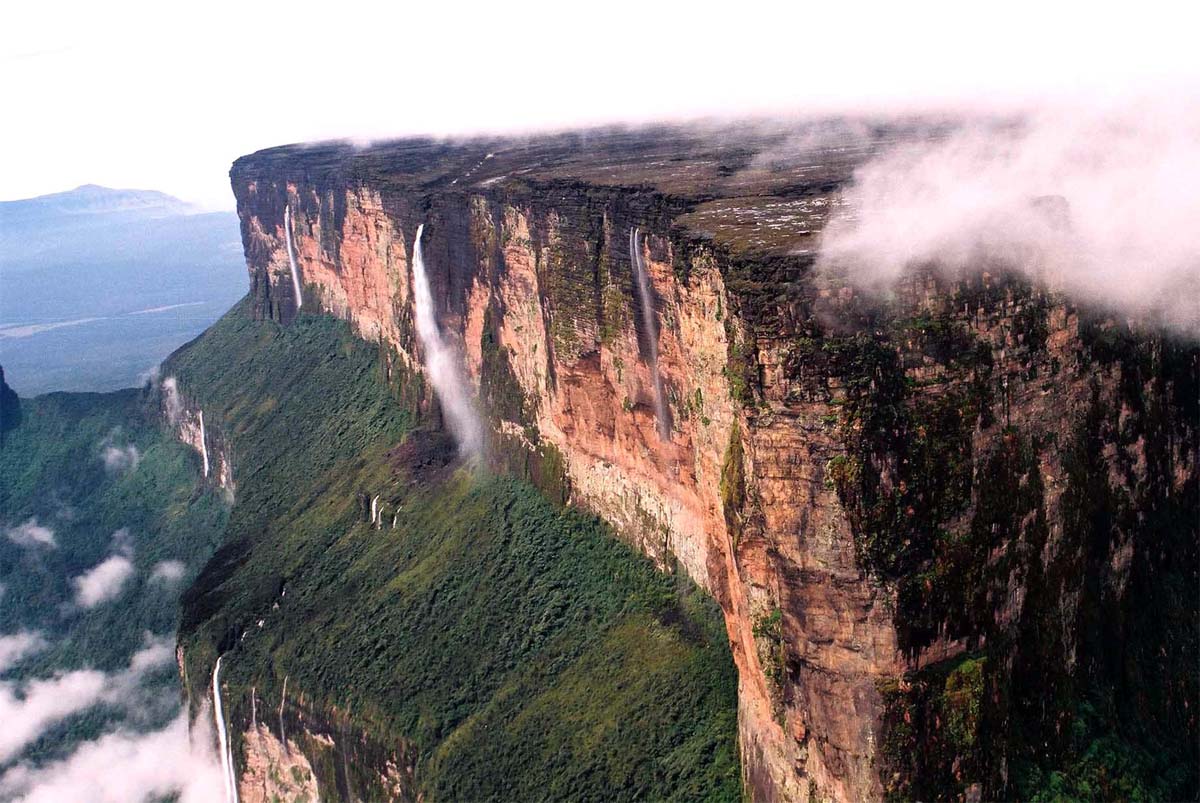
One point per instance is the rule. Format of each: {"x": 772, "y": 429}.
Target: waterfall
{"x": 648, "y": 315}
{"x": 231, "y": 791}
{"x": 291, "y": 249}
{"x": 440, "y": 364}
{"x": 203, "y": 445}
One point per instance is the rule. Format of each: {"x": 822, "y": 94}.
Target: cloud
{"x": 1100, "y": 203}
{"x": 124, "y": 766}
{"x": 103, "y": 582}
{"x": 29, "y": 330}
{"x": 172, "y": 402}
{"x": 30, "y": 533}
{"x": 39, "y": 704}
{"x": 167, "y": 572}
{"x": 28, "y": 709}
{"x": 150, "y": 376}
{"x": 18, "y": 645}
{"x": 119, "y": 459}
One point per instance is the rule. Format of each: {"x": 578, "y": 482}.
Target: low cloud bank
{"x": 30, "y": 533}
{"x": 120, "y": 459}
{"x": 30, "y": 708}
{"x": 1101, "y": 203}
{"x": 19, "y": 645}
{"x": 167, "y": 572}
{"x": 124, "y": 766}
{"x": 103, "y": 582}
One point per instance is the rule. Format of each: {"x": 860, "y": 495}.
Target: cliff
{"x": 960, "y": 518}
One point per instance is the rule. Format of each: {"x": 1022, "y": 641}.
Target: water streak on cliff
{"x": 231, "y": 790}
{"x": 647, "y": 304}
{"x": 440, "y": 363}
{"x": 291, "y": 252}
{"x": 203, "y": 445}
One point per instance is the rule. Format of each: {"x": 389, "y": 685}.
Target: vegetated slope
{"x": 491, "y": 645}
{"x": 146, "y": 504}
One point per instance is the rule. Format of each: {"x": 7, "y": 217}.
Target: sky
{"x": 166, "y": 95}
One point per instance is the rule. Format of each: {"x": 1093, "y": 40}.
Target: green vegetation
{"x": 733, "y": 482}
{"x": 516, "y": 649}
{"x": 931, "y": 726}
{"x": 52, "y": 470}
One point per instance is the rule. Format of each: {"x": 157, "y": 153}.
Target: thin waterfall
{"x": 291, "y": 251}
{"x": 441, "y": 364}
{"x": 203, "y": 444}
{"x": 648, "y": 315}
{"x": 231, "y": 790}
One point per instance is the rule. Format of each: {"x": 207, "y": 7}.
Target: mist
{"x": 125, "y": 765}
{"x": 1098, "y": 201}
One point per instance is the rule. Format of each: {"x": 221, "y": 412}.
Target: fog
{"x": 1100, "y": 201}
{"x": 126, "y": 766}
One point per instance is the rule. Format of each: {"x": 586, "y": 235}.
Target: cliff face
{"x": 907, "y": 510}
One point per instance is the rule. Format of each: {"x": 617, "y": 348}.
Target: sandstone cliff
{"x": 940, "y": 520}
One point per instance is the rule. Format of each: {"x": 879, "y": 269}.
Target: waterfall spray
{"x": 291, "y": 252}
{"x": 448, "y": 381}
{"x": 231, "y": 790}
{"x": 647, "y": 303}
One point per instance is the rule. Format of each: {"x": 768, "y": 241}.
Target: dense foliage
{"x": 146, "y": 504}
{"x": 517, "y": 649}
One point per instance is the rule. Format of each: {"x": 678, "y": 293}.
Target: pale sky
{"x": 165, "y": 95}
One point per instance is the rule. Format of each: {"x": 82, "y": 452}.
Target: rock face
{"x": 948, "y": 479}
{"x": 187, "y": 419}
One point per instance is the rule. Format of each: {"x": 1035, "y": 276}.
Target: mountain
{"x": 951, "y": 528}
{"x": 100, "y": 284}
{"x": 88, "y": 201}
{"x": 737, "y": 526}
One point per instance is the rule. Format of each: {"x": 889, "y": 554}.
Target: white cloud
{"x": 172, "y": 402}
{"x": 122, "y": 766}
{"x": 18, "y": 645}
{"x": 30, "y": 533}
{"x": 167, "y": 572}
{"x": 1098, "y": 202}
{"x": 103, "y": 582}
{"x": 28, "y": 709}
{"x": 118, "y": 459}
{"x": 42, "y": 703}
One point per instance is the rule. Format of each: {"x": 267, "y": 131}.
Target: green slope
{"x": 517, "y": 648}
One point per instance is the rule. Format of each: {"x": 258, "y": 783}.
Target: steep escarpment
{"x": 911, "y": 511}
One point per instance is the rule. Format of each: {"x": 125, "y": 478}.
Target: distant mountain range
{"x": 97, "y": 285}
{"x": 92, "y": 199}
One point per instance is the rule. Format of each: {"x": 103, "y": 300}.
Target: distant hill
{"x": 92, "y": 199}
{"x": 97, "y": 285}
